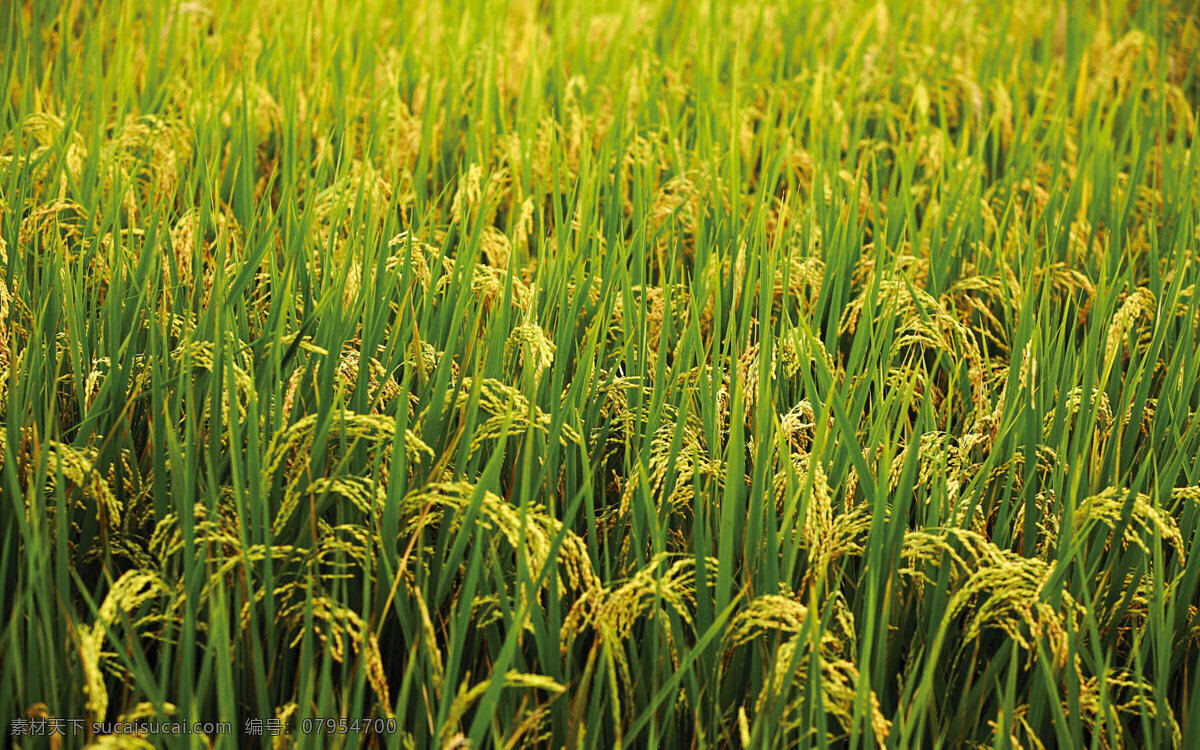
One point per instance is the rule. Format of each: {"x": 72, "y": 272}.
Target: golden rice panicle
{"x": 1101, "y": 695}
{"x": 610, "y": 613}
{"x": 448, "y": 734}
{"x": 1142, "y": 522}
{"x": 529, "y": 349}
{"x": 994, "y": 588}
{"x": 334, "y": 626}
{"x": 528, "y": 531}
{"x": 127, "y": 595}
{"x": 469, "y": 196}
{"x": 838, "y": 676}
{"x": 1139, "y": 306}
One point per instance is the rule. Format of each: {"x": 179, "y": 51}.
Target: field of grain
{"x": 637, "y": 373}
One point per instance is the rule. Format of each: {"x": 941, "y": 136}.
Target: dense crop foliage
{"x": 773, "y": 374}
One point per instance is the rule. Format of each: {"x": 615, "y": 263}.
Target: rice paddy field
{"x": 447, "y": 374}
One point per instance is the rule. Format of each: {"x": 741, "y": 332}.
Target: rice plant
{"x": 627, "y": 374}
